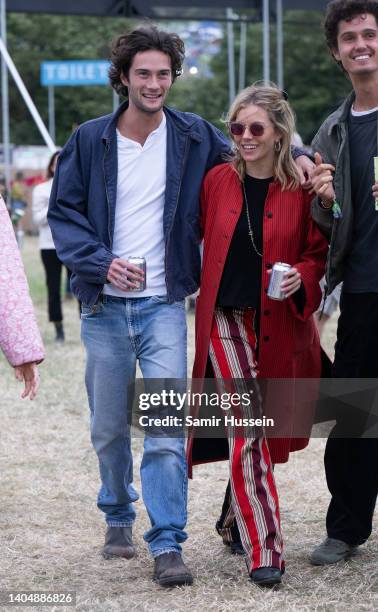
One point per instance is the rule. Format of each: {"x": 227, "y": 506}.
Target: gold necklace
{"x": 250, "y": 230}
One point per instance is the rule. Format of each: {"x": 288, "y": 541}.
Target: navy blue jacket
{"x": 83, "y": 199}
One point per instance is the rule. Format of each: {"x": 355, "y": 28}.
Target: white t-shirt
{"x": 40, "y": 206}
{"x": 138, "y": 229}
{"x": 363, "y": 113}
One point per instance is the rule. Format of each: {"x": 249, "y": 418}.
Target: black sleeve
{"x": 299, "y": 299}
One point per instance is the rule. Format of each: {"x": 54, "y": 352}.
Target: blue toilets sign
{"x": 75, "y": 72}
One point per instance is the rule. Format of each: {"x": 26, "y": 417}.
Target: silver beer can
{"x": 140, "y": 263}
{"x": 278, "y": 273}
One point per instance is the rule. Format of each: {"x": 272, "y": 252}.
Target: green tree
{"x": 314, "y": 82}
{"x": 36, "y": 38}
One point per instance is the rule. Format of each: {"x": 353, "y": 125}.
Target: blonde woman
{"x": 255, "y": 213}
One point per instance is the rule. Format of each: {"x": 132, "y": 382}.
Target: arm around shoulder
{"x": 220, "y": 146}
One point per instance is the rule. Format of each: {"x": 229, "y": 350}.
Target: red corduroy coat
{"x": 288, "y": 341}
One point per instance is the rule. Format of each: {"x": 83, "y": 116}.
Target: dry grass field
{"x": 51, "y": 531}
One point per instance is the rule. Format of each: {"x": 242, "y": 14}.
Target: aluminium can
{"x": 140, "y": 263}
{"x": 278, "y": 273}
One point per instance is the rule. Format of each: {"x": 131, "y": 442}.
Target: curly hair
{"x": 145, "y": 38}
{"x": 345, "y": 10}
{"x": 274, "y": 101}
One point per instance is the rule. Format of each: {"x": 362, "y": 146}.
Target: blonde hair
{"x": 273, "y": 101}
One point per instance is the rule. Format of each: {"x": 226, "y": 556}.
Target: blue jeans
{"x": 116, "y": 333}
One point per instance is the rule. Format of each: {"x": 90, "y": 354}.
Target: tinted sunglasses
{"x": 237, "y": 129}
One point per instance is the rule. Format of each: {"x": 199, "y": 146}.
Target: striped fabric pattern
{"x": 253, "y": 491}
{"x": 237, "y": 342}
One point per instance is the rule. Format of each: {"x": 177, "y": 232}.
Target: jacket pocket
{"x": 304, "y": 335}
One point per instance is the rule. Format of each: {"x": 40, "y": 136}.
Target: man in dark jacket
{"x": 128, "y": 185}
{"x": 346, "y": 209}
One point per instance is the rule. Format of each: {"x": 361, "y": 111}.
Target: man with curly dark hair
{"x": 345, "y": 10}
{"x": 125, "y": 47}
{"x": 347, "y": 208}
{"x": 128, "y": 185}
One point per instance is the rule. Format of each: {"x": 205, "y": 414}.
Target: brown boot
{"x": 170, "y": 570}
{"x": 118, "y": 543}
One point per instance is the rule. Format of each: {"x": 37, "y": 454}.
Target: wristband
{"x": 335, "y": 207}
{"x": 325, "y": 206}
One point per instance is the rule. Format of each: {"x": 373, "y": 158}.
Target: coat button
{"x": 267, "y": 313}
{"x": 233, "y": 211}
{"x": 269, "y": 215}
{"x": 269, "y": 266}
{"x": 266, "y": 338}
{"x": 225, "y": 236}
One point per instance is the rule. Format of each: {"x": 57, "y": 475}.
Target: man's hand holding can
{"x": 125, "y": 275}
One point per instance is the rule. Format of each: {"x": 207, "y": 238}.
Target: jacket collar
{"x": 185, "y": 122}
{"x": 342, "y": 113}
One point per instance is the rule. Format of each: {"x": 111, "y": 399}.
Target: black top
{"x": 240, "y": 285}
{"x": 361, "y": 266}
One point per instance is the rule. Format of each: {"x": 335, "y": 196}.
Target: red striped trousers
{"x": 253, "y": 491}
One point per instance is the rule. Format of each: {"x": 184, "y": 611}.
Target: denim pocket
{"x": 179, "y": 304}
{"x": 90, "y": 311}
{"x": 162, "y": 299}
{"x": 159, "y": 299}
